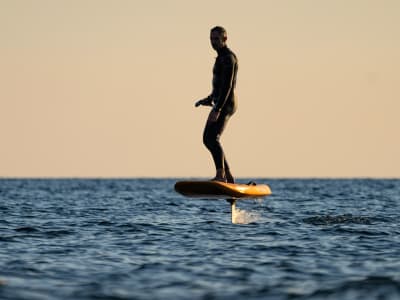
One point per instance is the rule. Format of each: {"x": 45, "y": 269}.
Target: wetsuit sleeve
{"x": 208, "y": 100}
{"x": 227, "y": 75}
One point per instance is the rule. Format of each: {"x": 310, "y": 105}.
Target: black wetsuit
{"x": 223, "y": 98}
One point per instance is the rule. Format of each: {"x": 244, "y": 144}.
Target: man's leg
{"x": 211, "y": 136}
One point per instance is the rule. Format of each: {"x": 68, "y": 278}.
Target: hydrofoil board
{"x": 221, "y": 190}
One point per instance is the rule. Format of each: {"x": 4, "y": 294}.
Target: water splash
{"x": 242, "y": 216}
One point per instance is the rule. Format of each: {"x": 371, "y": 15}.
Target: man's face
{"x": 217, "y": 40}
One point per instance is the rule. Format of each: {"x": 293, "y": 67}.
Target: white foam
{"x": 242, "y": 216}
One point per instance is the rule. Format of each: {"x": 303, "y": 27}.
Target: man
{"x": 222, "y": 99}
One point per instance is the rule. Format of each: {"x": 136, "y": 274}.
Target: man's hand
{"x": 213, "y": 116}
{"x": 205, "y": 102}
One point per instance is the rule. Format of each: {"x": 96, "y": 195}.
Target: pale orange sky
{"x": 106, "y": 88}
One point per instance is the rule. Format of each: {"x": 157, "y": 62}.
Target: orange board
{"x": 221, "y": 190}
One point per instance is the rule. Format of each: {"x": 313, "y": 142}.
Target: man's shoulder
{"x": 229, "y": 56}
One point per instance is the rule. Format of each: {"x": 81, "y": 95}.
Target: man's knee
{"x": 210, "y": 141}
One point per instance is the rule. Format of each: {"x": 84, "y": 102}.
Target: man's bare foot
{"x": 220, "y": 179}
{"x": 229, "y": 177}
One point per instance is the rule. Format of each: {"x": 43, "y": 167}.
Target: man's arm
{"x": 213, "y": 116}
{"x": 206, "y": 102}
{"x": 227, "y": 75}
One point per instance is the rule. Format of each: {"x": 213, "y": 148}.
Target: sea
{"x": 138, "y": 239}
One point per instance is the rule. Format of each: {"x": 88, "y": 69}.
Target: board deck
{"x": 221, "y": 190}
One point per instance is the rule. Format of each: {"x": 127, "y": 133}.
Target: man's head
{"x": 218, "y": 37}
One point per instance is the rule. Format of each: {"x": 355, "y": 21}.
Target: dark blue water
{"x": 138, "y": 239}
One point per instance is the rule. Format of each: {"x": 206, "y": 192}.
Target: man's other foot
{"x": 220, "y": 179}
{"x": 229, "y": 177}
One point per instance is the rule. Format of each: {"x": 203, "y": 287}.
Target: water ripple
{"x": 340, "y": 219}
{"x": 138, "y": 239}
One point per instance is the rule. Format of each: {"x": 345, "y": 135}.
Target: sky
{"x": 96, "y": 88}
